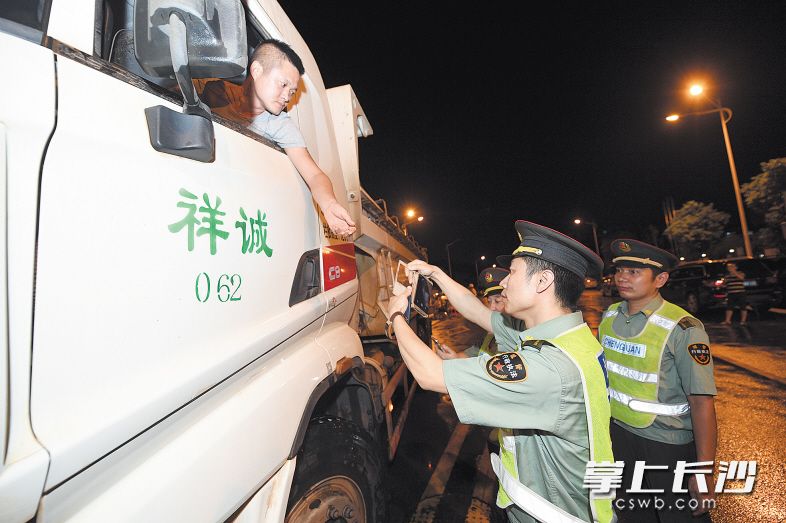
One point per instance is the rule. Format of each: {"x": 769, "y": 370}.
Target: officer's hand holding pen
{"x": 443, "y": 351}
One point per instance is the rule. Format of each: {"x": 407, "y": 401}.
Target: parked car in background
{"x": 778, "y": 265}
{"x": 607, "y": 286}
{"x": 701, "y": 285}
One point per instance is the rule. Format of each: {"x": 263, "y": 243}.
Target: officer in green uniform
{"x": 489, "y": 287}
{"x": 661, "y": 387}
{"x": 548, "y": 386}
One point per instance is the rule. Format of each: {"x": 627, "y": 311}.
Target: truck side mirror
{"x": 187, "y": 39}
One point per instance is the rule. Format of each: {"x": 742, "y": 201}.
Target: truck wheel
{"x": 692, "y": 303}
{"x": 339, "y": 476}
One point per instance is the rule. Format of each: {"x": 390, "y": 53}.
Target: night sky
{"x": 484, "y": 115}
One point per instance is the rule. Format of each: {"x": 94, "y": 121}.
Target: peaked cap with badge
{"x": 547, "y": 244}
{"x": 490, "y": 279}
{"x": 633, "y": 253}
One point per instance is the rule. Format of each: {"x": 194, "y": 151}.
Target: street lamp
{"x": 477, "y": 275}
{"x": 447, "y": 249}
{"x": 725, "y": 116}
{"x": 578, "y": 221}
{"x": 412, "y": 217}
{"x": 404, "y": 225}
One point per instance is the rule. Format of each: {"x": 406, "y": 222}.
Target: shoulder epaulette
{"x": 536, "y": 344}
{"x": 687, "y": 322}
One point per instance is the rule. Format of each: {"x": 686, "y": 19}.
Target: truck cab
{"x": 182, "y": 335}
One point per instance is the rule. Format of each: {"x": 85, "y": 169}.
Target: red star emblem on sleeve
{"x": 507, "y": 367}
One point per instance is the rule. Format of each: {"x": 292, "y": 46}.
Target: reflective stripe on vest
{"x": 634, "y": 366}
{"x": 536, "y": 506}
{"x": 661, "y": 409}
{"x": 507, "y": 452}
{"x": 622, "y": 370}
{"x": 583, "y": 350}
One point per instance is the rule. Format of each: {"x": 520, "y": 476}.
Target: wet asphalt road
{"x": 441, "y": 474}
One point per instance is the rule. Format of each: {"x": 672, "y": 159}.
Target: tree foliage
{"x": 765, "y": 194}
{"x": 697, "y": 223}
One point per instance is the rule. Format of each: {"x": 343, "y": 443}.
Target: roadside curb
{"x": 726, "y": 354}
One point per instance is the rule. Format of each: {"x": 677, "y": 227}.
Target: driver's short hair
{"x": 270, "y": 53}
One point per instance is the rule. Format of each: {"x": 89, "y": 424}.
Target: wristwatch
{"x": 389, "y": 323}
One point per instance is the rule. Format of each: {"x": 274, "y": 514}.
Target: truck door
{"x": 158, "y": 276}
{"x": 27, "y": 118}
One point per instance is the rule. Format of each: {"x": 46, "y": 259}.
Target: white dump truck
{"x": 181, "y": 336}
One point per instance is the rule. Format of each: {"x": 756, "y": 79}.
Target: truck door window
{"x": 114, "y": 43}
{"x": 218, "y": 94}
{"x": 24, "y": 18}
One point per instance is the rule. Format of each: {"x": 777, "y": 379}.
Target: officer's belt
{"x": 661, "y": 409}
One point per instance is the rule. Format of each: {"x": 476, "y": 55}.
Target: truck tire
{"x": 339, "y": 476}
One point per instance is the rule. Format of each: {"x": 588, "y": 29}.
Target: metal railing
{"x": 377, "y": 212}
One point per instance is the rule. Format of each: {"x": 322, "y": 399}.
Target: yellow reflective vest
{"x": 633, "y": 365}
{"x": 581, "y": 347}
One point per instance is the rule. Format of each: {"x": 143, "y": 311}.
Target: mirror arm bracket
{"x": 178, "y": 48}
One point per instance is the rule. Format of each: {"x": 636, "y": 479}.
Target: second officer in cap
{"x": 661, "y": 387}
{"x": 490, "y": 289}
{"x": 547, "y": 384}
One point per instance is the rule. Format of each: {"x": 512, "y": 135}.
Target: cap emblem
{"x": 488, "y": 277}
{"x": 624, "y": 247}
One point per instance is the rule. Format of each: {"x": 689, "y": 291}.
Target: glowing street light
{"x": 412, "y": 218}
{"x": 578, "y": 221}
{"x": 725, "y": 116}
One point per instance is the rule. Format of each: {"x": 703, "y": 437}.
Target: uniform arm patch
{"x": 507, "y": 367}
{"x": 700, "y": 353}
{"x": 687, "y": 322}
